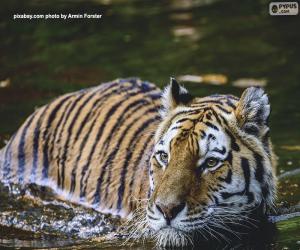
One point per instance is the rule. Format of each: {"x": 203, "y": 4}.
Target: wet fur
{"x": 98, "y": 147}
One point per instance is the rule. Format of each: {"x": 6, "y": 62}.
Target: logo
{"x": 283, "y": 8}
{"x": 274, "y": 9}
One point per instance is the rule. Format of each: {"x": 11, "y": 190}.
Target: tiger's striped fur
{"x": 212, "y": 165}
{"x": 90, "y": 146}
{"x": 196, "y": 160}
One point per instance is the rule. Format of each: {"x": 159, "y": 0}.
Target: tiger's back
{"x": 90, "y": 146}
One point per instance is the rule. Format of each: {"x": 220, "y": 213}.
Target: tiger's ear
{"x": 173, "y": 96}
{"x": 253, "y": 111}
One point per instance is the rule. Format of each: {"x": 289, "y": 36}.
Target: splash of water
{"x": 35, "y": 209}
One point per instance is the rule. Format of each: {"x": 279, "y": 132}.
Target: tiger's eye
{"x": 211, "y": 162}
{"x": 163, "y": 157}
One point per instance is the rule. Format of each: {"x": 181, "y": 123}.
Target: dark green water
{"x": 153, "y": 40}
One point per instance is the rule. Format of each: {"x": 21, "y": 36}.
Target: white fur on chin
{"x": 170, "y": 236}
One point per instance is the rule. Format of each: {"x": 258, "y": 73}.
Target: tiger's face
{"x": 212, "y": 164}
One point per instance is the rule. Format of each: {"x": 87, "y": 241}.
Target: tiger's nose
{"x": 169, "y": 211}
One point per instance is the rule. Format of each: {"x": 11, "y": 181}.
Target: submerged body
{"x": 198, "y": 163}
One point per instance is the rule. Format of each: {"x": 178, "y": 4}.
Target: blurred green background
{"x": 154, "y": 40}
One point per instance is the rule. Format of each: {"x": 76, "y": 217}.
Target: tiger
{"x": 196, "y": 162}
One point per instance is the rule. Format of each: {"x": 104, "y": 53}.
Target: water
{"x": 153, "y": 40}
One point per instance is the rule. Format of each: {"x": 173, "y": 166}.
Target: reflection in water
{"x": 248, "y": 82}
{"x": 214, "y": 79}
{"x": 183, "y": 26}
{"x": 5, "y": 83}
{"x": 189, "y": 4}
{"x": 186, "y": 31}
{"x": 36, "y": 243}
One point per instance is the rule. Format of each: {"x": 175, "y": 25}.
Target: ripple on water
{"x": 39, "y": 215}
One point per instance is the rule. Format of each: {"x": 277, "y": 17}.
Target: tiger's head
{"x": 212, "y": 164}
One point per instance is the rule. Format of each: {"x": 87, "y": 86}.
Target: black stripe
{"x": 61, "y": 173}
{"x": 265, "y": 140}
{"x": 82, "y": 145}
{"x": 223, "y": 109}
{"x": 220, "y": 151}
{"x": 101, "y": 100}
{"x": 203, "y": 134}
{"x": 208, "y": 124}
{"x": 129, "y": 155}
{"x": 265, "y": 192}
{"x": 52, "y": 143}
{"x": 211, "y": 137}
{"x": 121, "y": 118}
{"x": 230, "y": 103}
{"x": 259, "y": 171}
{"x": 136, "y": 163}
{"x": 185, "y": 119}
{"x": 208, "y": 116}
{"x": 152, "y": 218}
{"x": 229, "y": 158}
{"x": 69, "y": 133}
{"x": 176, "y": 127}
{"x": 36, "y": 137}
{"x": 226, "y": 195}
{"x": 113, "y": 154}
{"x": 112, "y": 110}
{"x": 223, "y": 120}
{"x": 36, "y": 143}
{"x": 216, "y": 198}
{"x": 50, "y": 119}
{"x": 216, "y": 116}
{"x": 208, "y": 102}
{"x": 150, "y": 209}
{"x": 137, "y": 104}
{"x": 228, "y": 178}
{"x": 185, "y": 112}
{"x": 21, "y": 150}
{"x": 98, "y": 137}
{"x": 246, "y": 172}
{"x": 251, "y": 129}
{"x": 97, "y": 195}
{"x": 234, "y": 145}
{"x": 232, "y": 97}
